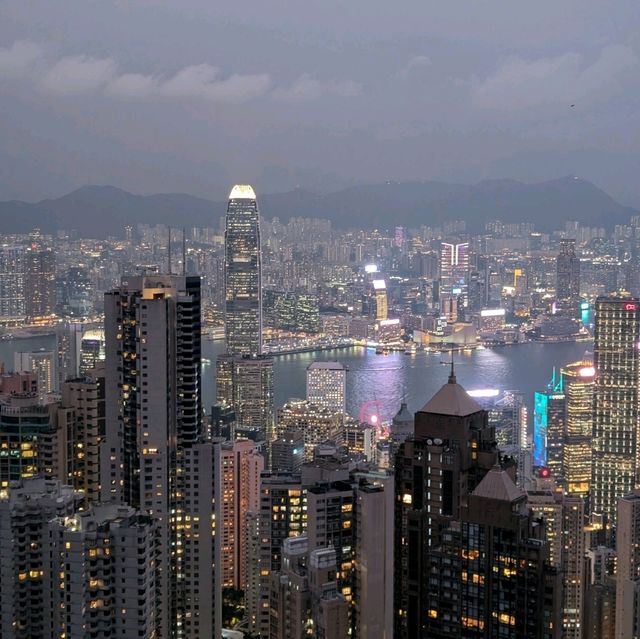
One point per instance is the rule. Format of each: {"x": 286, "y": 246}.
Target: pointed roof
{"x": 451, "y": 399}
{"x": 497, "y": 484}
{"x": 403, "y": 415}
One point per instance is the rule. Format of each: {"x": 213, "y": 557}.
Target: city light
{"x": 371, "y": 268}
{"x": 483, "y": 392}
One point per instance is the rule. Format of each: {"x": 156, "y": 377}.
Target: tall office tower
{"x": 40, "y": 284}
{"x": 100, "y": 572}
{"x": 381, "y": 302}
{"x": 318, "y": 424}
{"x": 615, "y": 425}
{"x": 549, "y": 426}
{"x": 568, "y": 274}
{"x": 327, "y": 385}
{"x": 576, "y": 455}
{"x": 628, "y": 570}
{"x": 199, "y": 566}
{"x": 82, "y": 410}
{"x": 243, "y": 276}
{"x": 30, "y": 439}
{"x": 92, "y": 350}
{"x": 452, "y": 449}
{"x": 240, "y": 467}
{"x": 13, "y": 308}
{"x": 495, "y": 548}
{"x": 283, "y": 514}
{"x": 153, "y": 410}
{"x": 563, "y": 517}
{"x": 305, "y": 595}
{"x": 454, "y": 272}
{"x": 44, "y": 364}
{"x": 246, "y": 385}
{"x": 359, "y": 439}
{"x": 25, "y": 511}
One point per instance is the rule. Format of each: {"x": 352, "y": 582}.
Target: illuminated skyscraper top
{"x": 243, "y": 279}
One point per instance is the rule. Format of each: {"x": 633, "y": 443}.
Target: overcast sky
{"x": 195, "y": 95}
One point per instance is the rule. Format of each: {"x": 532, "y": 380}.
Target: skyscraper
{"x": 25, "y": 512}
{"x": 239, "y": 470}
{"x": 12, "y": 290}
{"x": 454, "y": 272}
{"x": 615, "y": 426}
{"x": 576, "y": 461}
{"x": 568, "y": 274}
{"x": 40, "y": 280}
{"x": 452, "y": 448}
{"x": 243, "y": 277}
{"x": 327, "y": 385}
{"x": 246, "y": 384}
{"x": 153, "y": 410}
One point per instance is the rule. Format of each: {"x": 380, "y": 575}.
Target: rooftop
{"x": 497, "y": 484}
{"x": 452, "y": 399}
{"x": 242, "y": 192}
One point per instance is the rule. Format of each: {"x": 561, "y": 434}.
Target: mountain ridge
{"x": 103, "y": 210}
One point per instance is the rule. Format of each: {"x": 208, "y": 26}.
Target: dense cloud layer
{"x": 191, "y": 95}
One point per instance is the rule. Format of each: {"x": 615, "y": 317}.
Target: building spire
{"x": 452, "y": 374}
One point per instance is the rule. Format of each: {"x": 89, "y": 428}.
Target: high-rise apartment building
{"x": 240, "y": 467}
{"x": 83, "y": 411}
{"x": 243, "y": 281}
{"x": 616, "y": 388}
{"x": 100, "y": 569}
{"x": 488, "y": 575}
{"x": 283, "y": 514}
{"x": 454, "y": 272}
{"x": 25, "y": 512}
{"x": 578, "y": 381}
{"x": 13, "y": 308}
{"x": 628, "y": 567}
{"x": 327, "y": 385}
{"x": 31, "y": 440}
{"x": 40, "y": 284}
{"x": 45, "y": 366}
{"x": 153, "y": 412}
{"x": 568, "y": 274}
{"x": 305, "y": 594}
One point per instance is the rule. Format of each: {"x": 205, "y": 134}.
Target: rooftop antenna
{"x": 184, "y": 251}
{"x": 169, "y": 250}
{"x": 452, "y": 375}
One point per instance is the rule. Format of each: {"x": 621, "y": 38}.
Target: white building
{"x": 327, "y": 385}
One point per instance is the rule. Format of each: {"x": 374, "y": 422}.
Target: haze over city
{"x": 190, "y": 96}
{"x": 319, "y": 320}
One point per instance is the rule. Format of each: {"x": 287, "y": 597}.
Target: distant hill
{"x": 99, "y": 211}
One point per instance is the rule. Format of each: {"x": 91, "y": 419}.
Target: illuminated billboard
{"x": 540, "y": 424}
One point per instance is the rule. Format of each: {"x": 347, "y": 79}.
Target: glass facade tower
{"x": 243, "y": 285}
{"x": 615, "y": 427}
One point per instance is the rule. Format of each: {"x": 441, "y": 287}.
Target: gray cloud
{"x": 19, "y": 58}
{"x": 566, "y": 79}
{"x": 83, "y": 74}
{"x": 415, "y": 64}
{"x": 306, "y": 87}
{"x": 79, "y": 74}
